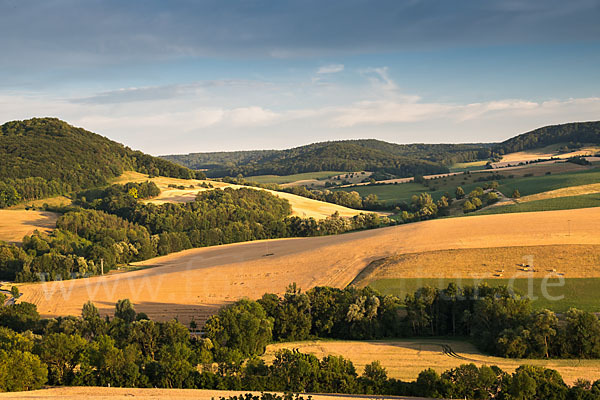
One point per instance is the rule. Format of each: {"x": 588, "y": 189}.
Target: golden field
{"x": 107, "y": 393}
{"x": 194, "y": 283}
{"x": 14, "y": 224}
{"x": 489, "y": 263}
{"x": 301, "y": 206}
{"x": 405, "y": 358}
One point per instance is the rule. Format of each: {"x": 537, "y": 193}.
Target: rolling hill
{"x": 401, "y": 160}
{"x": 44, "y": 157}
{"x": 568, "y": 134}
{"x": 347, "y": 155}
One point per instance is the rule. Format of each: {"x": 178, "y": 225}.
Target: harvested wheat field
{"x": 194, "y": 283}
{"x": 404, "y": 359}
{"x": 105, "y": 393}
{"x": 547, "y": 152}
{"x": 563, "y": 192}
{"x": 14, "y": 224}
{"x": 301, "y": 206}
{"x": 56, "y": 201}
{"x": 489, "y": 263}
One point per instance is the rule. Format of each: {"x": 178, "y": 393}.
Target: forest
{"x": 349, "y": 155}
{"x": 129, "y": 350}
{"x": 114, "y": 227}
{"x": 576, "y": 132}
{"x": 44, "y": 157}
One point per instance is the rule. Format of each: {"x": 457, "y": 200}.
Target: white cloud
{"x": 225, "y": 115}
{"x": 330, "y": 69}
{"x": 251, "y": 116}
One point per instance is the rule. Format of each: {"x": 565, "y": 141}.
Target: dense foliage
{"x": 342, "y": 198}
{"x": 111, "y": 226}
{"x": 576, "y": 132}
{"x": 348, "y": 155}
{"x": 130, "y": 350}
{"x": 44, "y": 157}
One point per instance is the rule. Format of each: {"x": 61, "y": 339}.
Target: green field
{"x": 468, "y": 166}
{"x": 293, "y": 178}
{"x": 559, "y": 203}
{"x": 580, "y": 293}
{"x": 437, "y": 187}
{"x": 538, "y": 184}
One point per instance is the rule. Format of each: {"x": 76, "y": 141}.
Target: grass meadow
{"x": 581, "y": 293}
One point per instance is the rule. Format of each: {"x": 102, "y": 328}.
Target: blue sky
{"x": 188, "y": 76}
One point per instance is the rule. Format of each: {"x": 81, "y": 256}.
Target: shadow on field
{"x": 452, "y": 348}
{"x": 157, "y": 311}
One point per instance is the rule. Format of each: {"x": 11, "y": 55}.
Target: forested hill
{"x": 348, "y": 155}
{"x": 43, "y": 157}
{"x": 573, "y": 133}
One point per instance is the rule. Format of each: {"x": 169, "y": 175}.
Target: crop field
{"x": 489, "y": 263}
{"x": 562, "y": 175}
{"x": 549, "y": 151}
{"x": 293, "y": 178}
{"x": 301, "y": 206}
{"x": 106, "y": 393}
{"x": 14, "y": 224}
{"x": 405, "y": 358}
{"x": 558, "y": 203}
{"x": 56, "y": 201}
{"x": 194, "y": 283}
{"x": 468, "y": 166}
{"x": 563, "y": 192}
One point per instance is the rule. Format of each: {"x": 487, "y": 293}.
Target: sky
{"x": 179, "y": 76}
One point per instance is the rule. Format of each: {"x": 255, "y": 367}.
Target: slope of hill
{"x": 42, "y": 157}
{"x": 348, "y": 155}
{"x": 194, "y": 283}
{"x": 571, "y": 133}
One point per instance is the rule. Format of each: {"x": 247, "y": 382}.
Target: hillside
{"x": 348, "y": 155}
{"x": 401, "y": 160}
{"x": 44, "y": 157}
{"x": 194, "y": 283}
{"x": 571, "y": 134}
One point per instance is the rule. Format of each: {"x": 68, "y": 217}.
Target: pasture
{"x": 405, "y": 358}
{"x": 468, "y": 166}
{"x": 552, "y": 294}
{"x": 195, "y": 283}
{"x": 14, "y": 224}
{"x": 561, "y": 175}
{"x": 549, "y": 204}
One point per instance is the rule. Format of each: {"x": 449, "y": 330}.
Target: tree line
{"x": 112, "y": 227}
{"x": 130, "y": 350}
{"x": 44, "y": 157}
{"x": 342, "y": 198}
{"x": 347, "y": 155}
{"x": 573, "y": 133}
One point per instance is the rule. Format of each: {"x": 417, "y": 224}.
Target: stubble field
{"x": 194, "y": 283}
{"x": 405, "y": 358}
{"x": 14, "y": 224}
